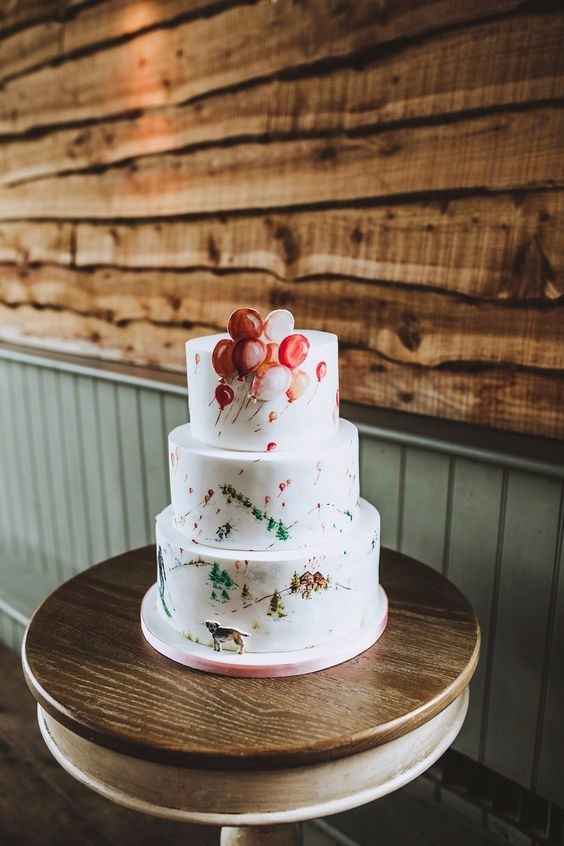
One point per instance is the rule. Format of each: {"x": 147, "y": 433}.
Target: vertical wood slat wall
{"x": 83, "y": 469}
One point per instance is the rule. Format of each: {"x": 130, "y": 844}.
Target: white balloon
{"x": 278, "y": 324}
{"x": 272, "y": 383}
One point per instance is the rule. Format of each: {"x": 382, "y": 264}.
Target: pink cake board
{"x": 175, "y": 646}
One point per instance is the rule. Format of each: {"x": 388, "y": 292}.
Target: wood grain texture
{"x": 400, "y": 324}
{"x": 510, "y": 150}
{"x": 93, "y": 25}
{"x": 485, "y": 246}
{"x": 504, "y": 397}
{"x": 145, "y": 705}
{"x": 223, "y": 50}
{"x": 508, "y": 62}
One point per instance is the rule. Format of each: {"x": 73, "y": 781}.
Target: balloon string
{"x": 311, "y": 399}
{"x": 240, "y": 408}
{"x": 259, "y": 408}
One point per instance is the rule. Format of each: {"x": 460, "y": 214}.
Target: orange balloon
{"x": 299, "y": 383}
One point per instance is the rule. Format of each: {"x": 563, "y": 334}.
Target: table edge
{"x": 317, "y": 753}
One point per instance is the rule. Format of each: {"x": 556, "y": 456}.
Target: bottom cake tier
{"x": 272, "y": 602}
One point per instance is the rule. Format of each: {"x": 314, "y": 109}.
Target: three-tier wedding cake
{"x": 267, "y": 559}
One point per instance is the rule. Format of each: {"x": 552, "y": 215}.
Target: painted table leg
{"x": 264, "y": 835}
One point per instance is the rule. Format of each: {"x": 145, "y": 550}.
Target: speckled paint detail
{"x": 283, "y": 600}
{"x": 276, "y": 500}
{"x": 237, "y": 421}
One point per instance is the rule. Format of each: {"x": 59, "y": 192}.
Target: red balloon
{"x": 248, "y": 355}
{"x": 224, "y": 395}
{"x": 321, "y": 371}
{"x": 222, "y": 358}
{"x": 245, "y": 323}
{"x": 293, "y": 350}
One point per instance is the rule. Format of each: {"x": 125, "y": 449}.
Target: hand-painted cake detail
{"x": 268, "y": 369}
{"x": 266, "y": 530}
{"x": 161, "y": 577}
{"x": 222, "y": 583}
{"x": 221, "y": 633}
{"x": 271, "y": 524}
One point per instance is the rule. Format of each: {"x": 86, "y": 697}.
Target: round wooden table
{"x": 160, "y": 738}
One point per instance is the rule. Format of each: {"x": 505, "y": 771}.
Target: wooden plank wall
{"x": 492, "y": 528}
{"x": 390, "y": 171}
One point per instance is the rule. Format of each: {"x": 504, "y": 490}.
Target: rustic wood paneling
{"x": 216, "y": 52}
{"x": 403, "y": 325}
{"x": 505, "y": 63}
{"x": 473, "y": 543}
{"x": 489, "y": 246}
{"x": 16, "y": 522}
{"x": 530, "y": 533}
{"x": 425, "y": 506}
{"x": 139, "y": 527}
{"x": 153, "y": 439}
{"x": 92, "y": 461}
{"x": 381, "y": 475}
{"x": 77, "y": 480}
{"x": 517, "y": 150}
{"x": 393, "y": 175}
{"x": 115, "y": 495}
{"x": 547, "y": 777}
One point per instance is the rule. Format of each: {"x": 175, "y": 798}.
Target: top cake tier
{"x": 289, "y": 399}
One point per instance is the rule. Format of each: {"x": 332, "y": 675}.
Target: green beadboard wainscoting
{"x": 83, "y": 470}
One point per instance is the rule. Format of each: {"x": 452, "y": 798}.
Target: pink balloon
{"x": 278, "y": 324}
{"x": 270, "y": 382}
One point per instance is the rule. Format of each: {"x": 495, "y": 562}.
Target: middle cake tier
{"x": 259, "y": 501}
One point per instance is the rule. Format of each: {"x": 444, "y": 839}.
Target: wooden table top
{"x": 89, "y": 666}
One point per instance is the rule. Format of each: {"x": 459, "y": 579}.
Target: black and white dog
{"x": 221, "y": 633}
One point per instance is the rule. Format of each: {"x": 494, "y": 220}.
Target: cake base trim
{"x": 170, "y": 643}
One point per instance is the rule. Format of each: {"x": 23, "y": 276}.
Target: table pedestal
{"x": 279, "y": 835}
{"x": 265, "y": 798}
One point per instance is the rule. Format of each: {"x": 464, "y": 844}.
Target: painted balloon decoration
{"x": 293, "y": 350}
{"x": 224, "y": 396}
{"x": 321, "y": 371}
{"x": 278, "y": 324}
{"x": 222, "y": 358}
{"x": 320, "y": 374}
{"x": 298, "y": 385}
{"x": 245, "y": 323}
{"x": 248, "y": 355}
{"x": 266, "y": 355}
{"x": 270, "y": 382}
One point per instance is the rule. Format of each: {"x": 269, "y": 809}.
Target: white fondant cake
{"x": 275, "y": 500}
{"x": 277, "y": 423}
{"x": 282, "y": 600}
{"x": 266, "y": 548}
